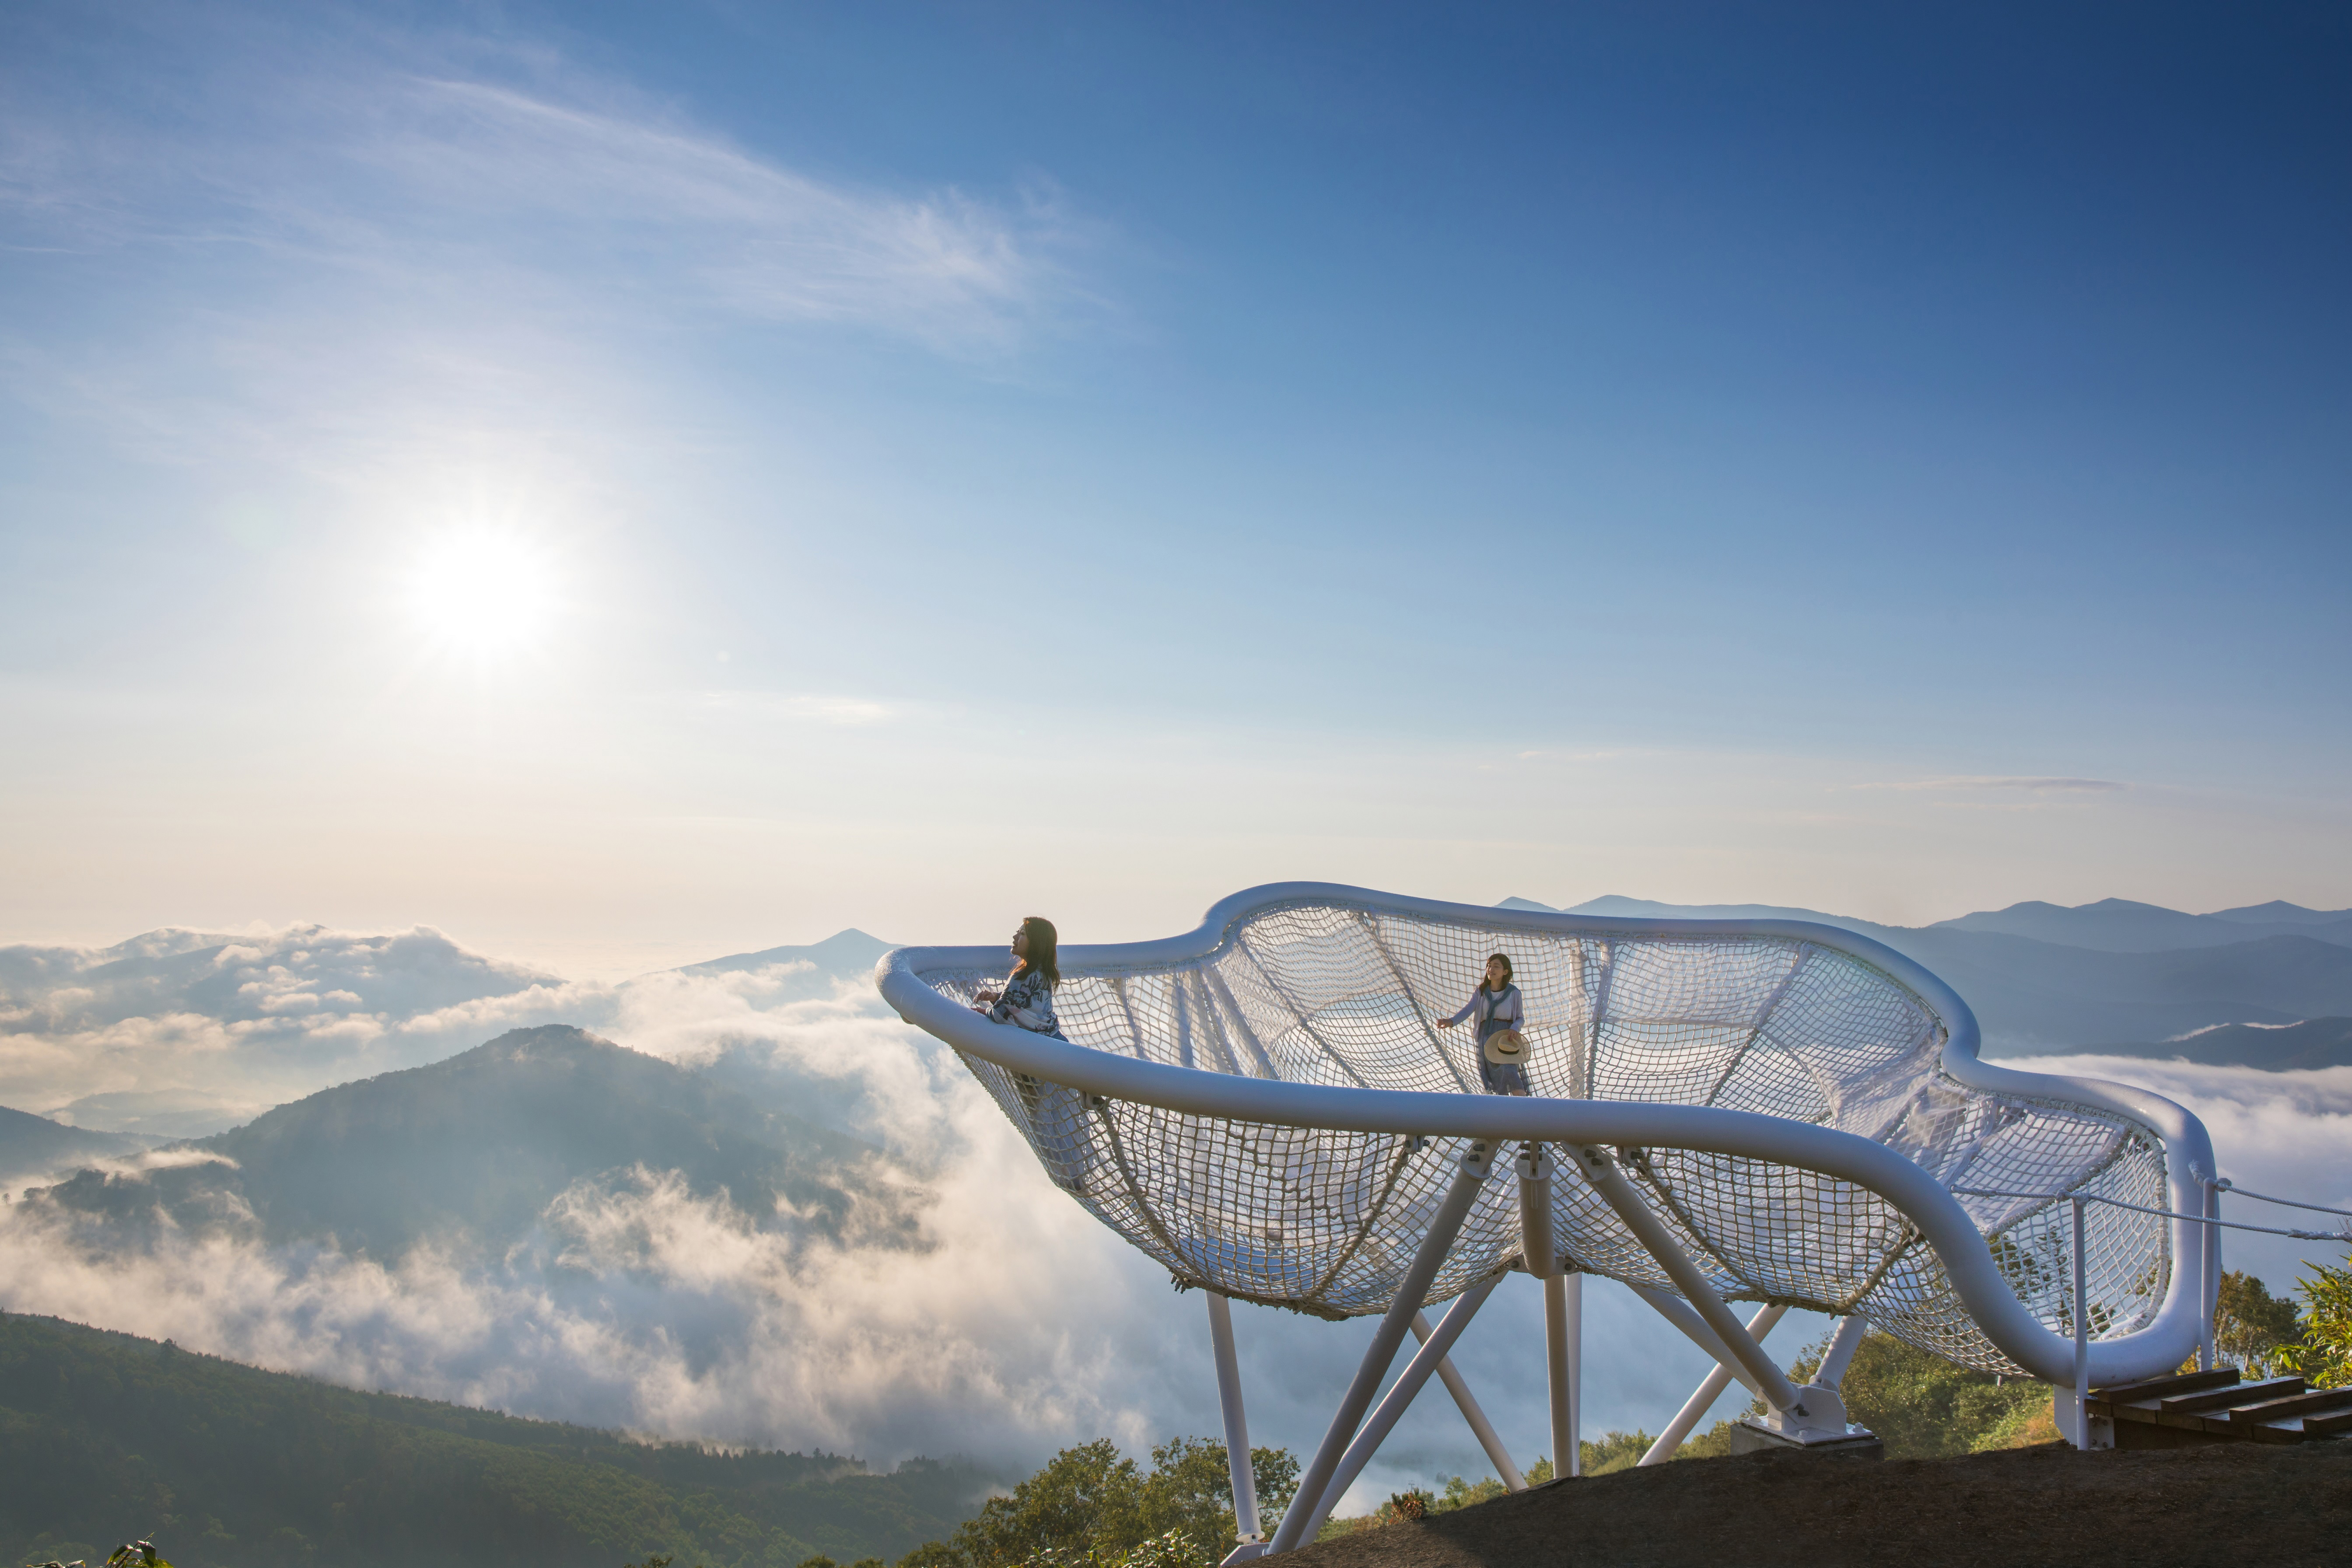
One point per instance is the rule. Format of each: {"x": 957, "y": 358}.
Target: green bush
{"x": 2254, "y": 1328}
{"x": 1092, "y": 1507}
{"x": 2323, "y": 1351}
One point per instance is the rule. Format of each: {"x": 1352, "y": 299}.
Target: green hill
{"x": 470, "y": 1153}
{"x": 103, "y": 1435}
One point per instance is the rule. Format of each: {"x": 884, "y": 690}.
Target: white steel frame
{"x": 1590, "y": 1130}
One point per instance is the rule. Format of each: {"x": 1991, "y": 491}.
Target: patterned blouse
{"x": 1027, "y": 1001}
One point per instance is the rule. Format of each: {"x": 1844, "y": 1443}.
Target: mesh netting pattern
{"x": 1326, "y": 1221}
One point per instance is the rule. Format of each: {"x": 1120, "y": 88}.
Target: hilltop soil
{"x": 2231, "y": 1504}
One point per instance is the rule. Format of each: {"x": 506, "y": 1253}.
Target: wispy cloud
{"x": 531, "y": 177}
{"x": 942, "y": 265}
{"x": 2028, "y": 785}
{"x": 800, "y": 707}
{"x": 400, "y": 270}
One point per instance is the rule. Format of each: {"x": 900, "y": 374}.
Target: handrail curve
{"x": 2161, "y": 1345}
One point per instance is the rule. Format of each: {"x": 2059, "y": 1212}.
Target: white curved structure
{"x": 1265, "y": 1107}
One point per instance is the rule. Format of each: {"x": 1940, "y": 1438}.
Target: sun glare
{"x": 483, "y": 595}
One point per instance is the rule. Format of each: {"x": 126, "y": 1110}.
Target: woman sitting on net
{"x": 1027, "y": 999}
{"x": 1502, "y": 1049}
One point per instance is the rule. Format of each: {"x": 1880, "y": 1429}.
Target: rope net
{"x": 1326, "y": 1222}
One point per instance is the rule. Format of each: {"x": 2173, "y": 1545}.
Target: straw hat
{"x": 1508, "y": 1046}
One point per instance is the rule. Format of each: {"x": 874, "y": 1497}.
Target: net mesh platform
{"x": 1326, "y": 1222}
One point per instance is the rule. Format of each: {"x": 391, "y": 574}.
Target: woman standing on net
{"x": 1502, "y": 1049}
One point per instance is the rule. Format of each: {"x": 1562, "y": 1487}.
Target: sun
{"x": 484, "y": 596}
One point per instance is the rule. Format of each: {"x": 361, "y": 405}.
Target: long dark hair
{"x": 1509, "y": 972}
{"x": 1042, "y": 955}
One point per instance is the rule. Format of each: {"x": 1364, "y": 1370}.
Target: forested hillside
{"x": 103, "y": 1435}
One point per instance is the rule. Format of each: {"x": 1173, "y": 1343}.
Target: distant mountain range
{"x": 272, "y": 1016}
{"x": 2044, "y": 979}
{"x": 845, "y": 952}
{"x": 179, "y": 1034}
{"x": 103, "y": 1435}
{"x": 2275, "y": 1047}
{"x": 470, "y": 1152}
{"x": 34, "y": 1145}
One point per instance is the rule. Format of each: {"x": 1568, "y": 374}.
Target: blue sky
{"x": 934, "y": 460}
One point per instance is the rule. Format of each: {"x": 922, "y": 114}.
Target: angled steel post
{"x": 1703, "y": 1398}
{"x": 1399, "y": 1398}
{"x": 1679, "y": 1312}
{"x": 1228, "y": 1397}
{"x": 1411, "y": 1292}
{"x": 1840, "y": 1355}
{"x": 1472, "y": 1412}
{"x": 1602, "y": 1172}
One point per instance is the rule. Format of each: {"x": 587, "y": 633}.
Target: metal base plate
{"x": 1752, "y": 1438}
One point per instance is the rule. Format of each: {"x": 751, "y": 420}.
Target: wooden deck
{"x": 2198, "y": 1407}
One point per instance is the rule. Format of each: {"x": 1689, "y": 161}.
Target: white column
{"x": 1573, "y": 1288}
{"x": 2081, "y": 1339}
{"x": 1229, "y": 1396}
{"x": 2208, "y": 1354}
{"x": 1563, "y": 1305}
{"x": 1563, "y": 1358}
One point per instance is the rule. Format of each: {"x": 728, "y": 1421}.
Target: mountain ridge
{"x": 848, "y": 950}
{"x": 2032, "y": 996}
{"x": 34, "y": 1145}
{"x": 473, "y": 1148}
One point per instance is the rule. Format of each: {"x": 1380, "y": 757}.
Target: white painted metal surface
{"x": 1266, "y": 1106}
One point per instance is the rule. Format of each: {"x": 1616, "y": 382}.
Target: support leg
{"x": 1679, "y": 1312}
{"x": 1563, "y": 1303}
{"x": 1399, "y": 1398}
{"x": 1779, "y": 1395}
{"x": 1709, "y": 1390}
{"x": 1472, "y": 1412}
{"x": 1563, "y": 1334}
{"x": 2082, "y": 1341}
{"x": 2207, "y": 1356}
{"x": 1575, "y": 1288}
{"x": 1410, "y": 1291}
{"x": 1229, "y": 1396}
{"x": 1843, "y": 1345}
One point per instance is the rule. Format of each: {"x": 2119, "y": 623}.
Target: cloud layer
{"x": 1015, "y": 1326}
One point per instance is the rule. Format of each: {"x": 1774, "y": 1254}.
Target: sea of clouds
{"x": 1015, "y": 1326}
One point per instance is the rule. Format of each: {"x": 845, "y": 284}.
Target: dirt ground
{"x": 2241, "y": 1504}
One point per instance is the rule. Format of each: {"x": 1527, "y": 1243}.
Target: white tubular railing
{"x": 1978, "y": 1280}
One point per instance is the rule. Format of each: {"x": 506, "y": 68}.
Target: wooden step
{"x": 2301, "y": 1428}
{"x": 2327, "y": 1425}
{"x": 2221, "y": 1406}
{"x": 2307, "y": 1404}
{"x": 2175, "y": 1382}
{"x": 2228, "y": 1398}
